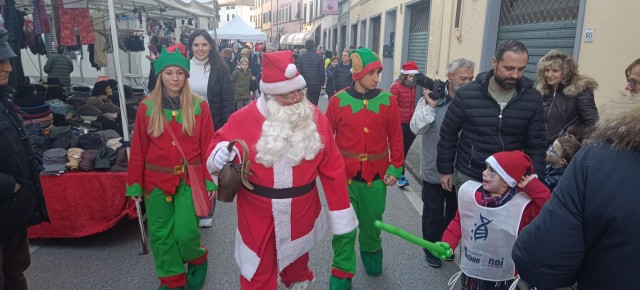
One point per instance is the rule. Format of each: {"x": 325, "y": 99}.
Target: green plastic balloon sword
{"x": 438, "y": 249}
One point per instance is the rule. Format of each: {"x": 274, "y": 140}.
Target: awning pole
{"x": 116, "y": 60}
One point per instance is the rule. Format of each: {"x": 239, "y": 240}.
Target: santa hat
{"x": 363, "y": 60}
{"x": 511, "y": 165}
{"x": 409, "y": 68}
{"x": 279, "y": 73}
{"x": 170, "y": 57}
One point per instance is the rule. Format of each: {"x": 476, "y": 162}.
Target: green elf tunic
{"x": 368, "y": 133}
{"x": 171, "y": 218}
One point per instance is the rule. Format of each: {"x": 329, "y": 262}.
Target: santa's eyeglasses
{"x": 294, "y": 95}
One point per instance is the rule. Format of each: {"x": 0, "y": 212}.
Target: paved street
{"x": 112, "y": 260}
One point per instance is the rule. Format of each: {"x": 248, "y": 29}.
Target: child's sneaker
{"x": 402, "y": 182}
{"x": 432, "y": 260}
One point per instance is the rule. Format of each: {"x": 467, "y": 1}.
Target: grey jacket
{"x": 59, "y": 66}
{"x": 426, "y": 121}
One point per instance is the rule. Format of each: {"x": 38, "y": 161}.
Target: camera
{"x": 435, "y": 86}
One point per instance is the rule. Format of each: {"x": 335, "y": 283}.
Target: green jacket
{"x": 59, "y": 66}
{"x": 241, "y": 82}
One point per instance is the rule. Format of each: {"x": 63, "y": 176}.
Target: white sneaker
{"x": 205, "y": 222}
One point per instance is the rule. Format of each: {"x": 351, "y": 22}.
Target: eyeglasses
{"x": 632, "y": 82}
{"x": 294, "y": 95}
{"x": 489, "y": 172}
{"x": 552, "y": 150}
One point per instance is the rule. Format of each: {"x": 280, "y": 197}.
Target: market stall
{"x": 85, "y": 201}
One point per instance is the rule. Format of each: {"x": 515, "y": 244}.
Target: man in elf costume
{"x": 158, "y": 171}
{"x": 366, "y": 123}
{"x": 291, "y": 144}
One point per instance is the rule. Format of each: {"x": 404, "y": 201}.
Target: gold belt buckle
{"x": 363, "y": 157}
{"x": 179, "y": 169}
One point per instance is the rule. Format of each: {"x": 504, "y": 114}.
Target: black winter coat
{"x": 588, "y": 231}
{"x": 311, "y": 67}
{"x": 343, "y": 76}
{"x": 571, "y": 108}
{"x": 487, "y": 130}
{"x": 26, "y": 207}
{"x": 220, "y": 97}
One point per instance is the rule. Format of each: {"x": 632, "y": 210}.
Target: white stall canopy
{"x": 239, "y": 30}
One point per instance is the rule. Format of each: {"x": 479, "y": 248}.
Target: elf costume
{"x": 282, "y": 219}
{"x": 367, "y": 131}
{"x": 157, "y": 171}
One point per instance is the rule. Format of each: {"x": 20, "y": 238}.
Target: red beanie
{"x": 511, "y": 165}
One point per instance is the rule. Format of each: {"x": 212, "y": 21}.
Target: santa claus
{"x": 291, "y": 144}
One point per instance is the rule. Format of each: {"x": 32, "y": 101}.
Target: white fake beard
{"x": 289, "y": 134}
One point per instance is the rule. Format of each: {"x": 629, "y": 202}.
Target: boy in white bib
{"x": 490, "y": 216}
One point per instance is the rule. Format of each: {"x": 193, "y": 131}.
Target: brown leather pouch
{"x": 233, "y": 175}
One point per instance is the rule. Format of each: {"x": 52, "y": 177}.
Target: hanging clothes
{"x": 70, "y": 17}
{"x": 40, "y": 21}
{"x": 98, "y": 19}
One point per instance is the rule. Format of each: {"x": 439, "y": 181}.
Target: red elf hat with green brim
{"x": 170, "y": 57}
{"x": 363, "y": 60}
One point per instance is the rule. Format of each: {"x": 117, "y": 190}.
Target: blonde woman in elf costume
{"x": 366, "y": 123}
{"x": 157, "y": 171}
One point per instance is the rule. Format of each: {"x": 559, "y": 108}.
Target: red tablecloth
{"x": 83, "y": 203}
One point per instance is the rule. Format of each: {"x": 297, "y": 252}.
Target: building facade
{"x": 244, "y": 9}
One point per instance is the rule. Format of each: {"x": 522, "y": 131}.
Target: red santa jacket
{"x": 535, "y": 189}
{"x": 162, "y": 151}
{"x": 367, "y": 124}
{"x": 406, "y": 100}
{"x": 298, "y": 222}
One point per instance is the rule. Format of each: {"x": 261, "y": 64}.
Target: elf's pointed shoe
{"x": 336, "y": 283}
{"x": 196, "y": 275}
{"x": 372, "y": 262}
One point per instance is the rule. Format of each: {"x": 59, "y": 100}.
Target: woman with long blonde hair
{"x": 158, "y": 170}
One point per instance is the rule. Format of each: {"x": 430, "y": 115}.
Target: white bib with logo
{"x": 488, "y": 234}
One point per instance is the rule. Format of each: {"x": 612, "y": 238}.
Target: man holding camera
{"x": 439, "y": 205}
{"x": 500, "y": 111}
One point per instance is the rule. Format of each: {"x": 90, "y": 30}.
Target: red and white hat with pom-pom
{"x": 410, "y": 68}
{"x": 279, "y": 73}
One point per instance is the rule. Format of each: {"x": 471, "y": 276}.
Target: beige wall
{"x": 365, "y": 9}
{"x": 447, "y": 43}
{"x": 615, "y": 45}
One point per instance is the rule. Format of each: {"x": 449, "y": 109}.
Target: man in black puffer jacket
{"x": 311, "y": 67}
{"x": 21, "y": 199}
{"x": 499, "y": 111}
{"x": 342, "y": 73}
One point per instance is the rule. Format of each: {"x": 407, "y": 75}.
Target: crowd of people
{"x": 518, "y": 175}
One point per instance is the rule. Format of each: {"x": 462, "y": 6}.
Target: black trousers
{"x": 15, "y": 259}
{"x": 439, "y": 208}
{"x": 313, "y": 93}
{"x": 407, "y": 140}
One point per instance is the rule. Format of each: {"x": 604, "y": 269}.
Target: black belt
{"x": 281, "y": 193}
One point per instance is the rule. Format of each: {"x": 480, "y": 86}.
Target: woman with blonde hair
{"x": 172, "y": 130}
{"x": 569, "y": 105}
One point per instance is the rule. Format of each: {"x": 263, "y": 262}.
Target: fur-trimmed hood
{"x": 579, "y": 84}
{"x": 622, "y": 131}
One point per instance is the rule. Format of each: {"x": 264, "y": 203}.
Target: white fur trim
{"x": 496, "y": 166}
{"x": 262, "y": 105}
{"x": 287, "y": 250}
{"x": 247, "y": 260}
{"x": 212, "y": 169}
{"x": 291, "y": 71}
{"x": 343, "y": 221}
{"x": 282, "y": 175}
{"x": 282, "y": 87}
{"x": 409, "y": 72}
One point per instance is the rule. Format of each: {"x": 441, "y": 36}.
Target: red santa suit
{"x": 295, "y": 223}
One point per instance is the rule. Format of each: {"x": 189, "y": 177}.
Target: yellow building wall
{"x": 615, "y": 45}
{"x": 446, "y": 42}
{"x": 365, "y": 9}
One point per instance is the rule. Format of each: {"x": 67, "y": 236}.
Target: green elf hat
{"x": 363, "y": 60}
{"x": 170, "y": 56}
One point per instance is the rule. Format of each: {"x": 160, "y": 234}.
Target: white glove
{"x": 220, "y": 158}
